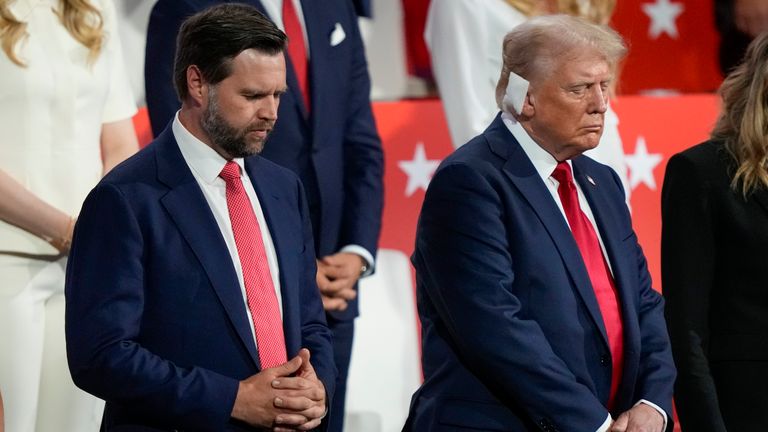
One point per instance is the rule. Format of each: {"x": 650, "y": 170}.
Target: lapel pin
{"x": 589, "y": 179}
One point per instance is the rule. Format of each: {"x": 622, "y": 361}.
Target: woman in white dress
{"x": 65, "y": 120}
{"x": 464, "y": 39}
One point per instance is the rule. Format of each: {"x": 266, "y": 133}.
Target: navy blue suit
{"x": 156, "y": 322}
{"x": 335, "y": 149}
{"x": 513, "y": 338}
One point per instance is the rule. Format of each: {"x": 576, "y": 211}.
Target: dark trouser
{"x": 343, "y": 333}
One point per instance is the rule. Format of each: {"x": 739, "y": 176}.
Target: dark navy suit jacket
{"x": 155, "y": 319}
{"x": 513, "y": 339}
{"x": 335, "y": 150}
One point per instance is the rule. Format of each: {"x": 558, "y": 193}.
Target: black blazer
{"x": 714, "y": 254}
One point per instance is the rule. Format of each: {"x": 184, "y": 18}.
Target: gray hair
{"x": 533, "y": 49}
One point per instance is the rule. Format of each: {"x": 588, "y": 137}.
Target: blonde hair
{"x": 595, "y": 11}
{"x": 536, "y": 46}
{"x": 81, "y": 19}
{"x": 743, "y": 122}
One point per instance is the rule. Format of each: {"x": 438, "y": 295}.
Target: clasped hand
{"x": 284, "y": 398}
{"x": 337, "y": 275}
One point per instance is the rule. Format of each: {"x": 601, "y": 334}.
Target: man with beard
{"x": 326, "y": 135}
{"x": 191, "y": 295}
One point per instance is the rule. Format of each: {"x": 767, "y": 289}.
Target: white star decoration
{"x": 663, "y": 14}
{"x": 419, "y": 170}
{"x": 641, "y": 165}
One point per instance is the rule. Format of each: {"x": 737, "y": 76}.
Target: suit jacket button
{"x": 605, "y": 359}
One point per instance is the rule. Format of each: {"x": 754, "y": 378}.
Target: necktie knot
{"x": 562, "y": 173}
{"x": 230, "y": 172}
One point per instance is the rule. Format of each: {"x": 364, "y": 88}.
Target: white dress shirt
{"x": 206, "y": 165}
{"x": 545, "y": 164}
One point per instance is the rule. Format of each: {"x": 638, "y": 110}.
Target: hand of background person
{"x": 257, "y": 396}
{"x": 337, "y": 275}
{"x": 751, "y": 16}
{"x": 303, "y": 395}
{"x": 641, "y": 418}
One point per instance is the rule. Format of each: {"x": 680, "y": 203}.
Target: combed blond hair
{"x": 81, "y": 19}
{"x": 595, "y": 11}
{"x": 743, "y": 122}
{"x": 535, "y": 47}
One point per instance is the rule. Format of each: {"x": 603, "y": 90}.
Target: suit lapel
{"x": 600, "y": 205}
{"x": 521, "y": 171}
{"x": 189, "y": 210}
{"x": 319, "y": 26}
{"x": 278, "y": 218}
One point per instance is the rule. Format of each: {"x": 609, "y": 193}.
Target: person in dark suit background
{"x": 714, "y": 248}
{"x": 326, "y": 135}
{"x": 191, "y": 279}
{"x": 738, "y": 21}
{"x": 536, "y": 305}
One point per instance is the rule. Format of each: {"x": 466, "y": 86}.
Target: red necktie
{"x": 259, "y": 289}
{"x": 597, "y": 267}
{"x": 297, "y": 51}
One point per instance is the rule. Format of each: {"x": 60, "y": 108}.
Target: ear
{"x": 529, "y": 106}
{"x": 197, "y": 88}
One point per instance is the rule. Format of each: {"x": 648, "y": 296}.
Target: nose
{"x": 599, "y": 100}
{"x": 268, "y": 108}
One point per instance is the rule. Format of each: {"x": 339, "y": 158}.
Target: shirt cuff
{"x": 364, "y": 254}
{"x": 656, "y": 407}
{"x": 606, "y": 424}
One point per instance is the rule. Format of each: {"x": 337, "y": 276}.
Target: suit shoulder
{"x": 708, "y": 152}
{"x": 476, "y": 153}
{"x": 705, "y": 160}
{"x": 137, "y": 167}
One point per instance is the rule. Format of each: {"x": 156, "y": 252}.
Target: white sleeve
{"x": 120, "y": 103}
{"x": 606, "y": 424}
{"x": 456, "y": 34}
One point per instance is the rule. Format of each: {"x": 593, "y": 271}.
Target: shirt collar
{"x": 201, "y": 158}
{"x": 542, "y": 161}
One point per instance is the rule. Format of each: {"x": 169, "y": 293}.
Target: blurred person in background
{"x": 714, "y": 249}
{"x": 463, "y": 37}
{"x": 66, "y": 120}
{"x": 738, "y": 21}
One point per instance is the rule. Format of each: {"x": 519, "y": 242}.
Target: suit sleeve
{"x": 465, "y": 270}
{"x": 105, "y": 300}
{"x": 164, "y": 23}
{"x": 363, "y": 156}
{"x": 687, "y": 272}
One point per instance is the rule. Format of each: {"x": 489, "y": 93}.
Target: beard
{"x": 233, "y": 141}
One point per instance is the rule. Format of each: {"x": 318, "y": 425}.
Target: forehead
{"x": 254, "y": 66}
{"x": 583, "y": 64}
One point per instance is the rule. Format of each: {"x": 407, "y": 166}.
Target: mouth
{"x": 593, "y": 128}
{"x": 261, "y": 133}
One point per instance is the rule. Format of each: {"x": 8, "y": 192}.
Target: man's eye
{"x": 578, "y": 90}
